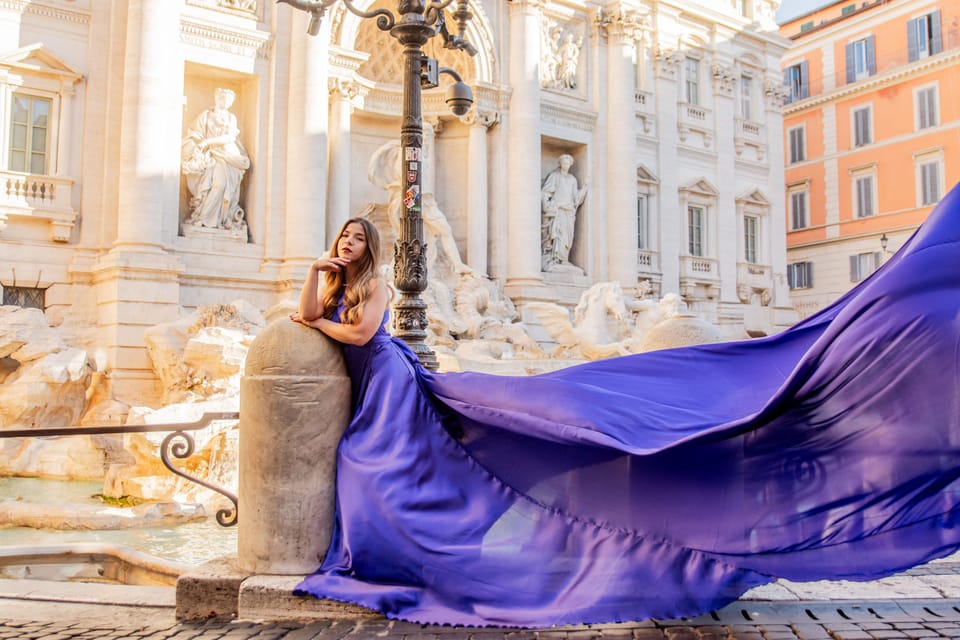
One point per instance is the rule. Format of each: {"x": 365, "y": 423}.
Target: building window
{"x": 643, "y": 222}
{"x": 800, "y": 275}
{"x": 929, "y": 177}
{"x": 696, "y": 224}
{"x": 927, "y": 107}
{"x": 923, "y": 36}
{"x": 746, "y": 95}
{"x": 795, "y": 78}
{"x": 847, "y": 10}
{"x": 691, "y": 74}
{"x": 798, "y": 210}
{"x": 861, "y": 59}
{"x": 797, "y": 147}
{"x": 863, "y": 264}
{"x": 751, "y": 225}
{"x": 31, "y": 297}
{"x": 862, "y": 126}
{"x": 29, "y": 138}
{"x": 863, "y": 195}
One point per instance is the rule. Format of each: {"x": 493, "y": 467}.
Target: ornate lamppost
{"x": 413, "y": 24}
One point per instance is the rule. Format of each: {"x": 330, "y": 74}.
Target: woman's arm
{"x": 371, "y": 317}
{"x": 311, "y": 306}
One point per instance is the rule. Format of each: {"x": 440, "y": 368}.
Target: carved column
{"x": 673, "y": 227}
{"x": 621, "y": 28}
{"x": 477, "y": 225}
{"x": 342, "y": 92}
{"x": 152, "y": 81}
{"x": 728, "y": 222}
{"x": 305, "y": 218}
{"x": 523, "y": 184}
{"x": 137, "y": 282}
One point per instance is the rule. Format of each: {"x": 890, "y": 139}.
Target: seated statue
{"x": 214, "y": 162}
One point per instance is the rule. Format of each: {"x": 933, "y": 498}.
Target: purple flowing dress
{"x": 662, "y": 484}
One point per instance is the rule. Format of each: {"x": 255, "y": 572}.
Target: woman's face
{"x": 353, "y": 242}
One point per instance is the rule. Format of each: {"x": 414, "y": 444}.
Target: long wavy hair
{"x": 354, "y": 293}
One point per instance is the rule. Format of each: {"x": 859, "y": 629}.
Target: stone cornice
{"x": 46, "y": 11}
{"x": 910, "y": 70}
{"x": 346, "y": 62}
{"x": 246, "y": 44}
{"x": 577, "y": 118}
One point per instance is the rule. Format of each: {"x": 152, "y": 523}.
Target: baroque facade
{"x": 670, "y": 112}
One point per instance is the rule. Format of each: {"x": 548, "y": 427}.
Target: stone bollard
{"x": 294, "y": 406}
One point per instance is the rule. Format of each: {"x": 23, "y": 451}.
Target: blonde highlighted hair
{"x": 354, "y": 293}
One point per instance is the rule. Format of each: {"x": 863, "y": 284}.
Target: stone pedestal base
{"x": 239, "y": 234}
{"x": 210, "y": 591}
{"x": 220, "y": 589}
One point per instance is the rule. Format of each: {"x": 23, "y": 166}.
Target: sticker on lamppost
{"x": 411, "y": 153}
{"x": 411, "y": 199}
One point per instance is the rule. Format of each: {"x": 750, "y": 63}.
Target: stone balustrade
{"x": 34, "y": 196}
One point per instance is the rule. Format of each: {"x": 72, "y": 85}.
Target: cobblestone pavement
{"x": 923, "y": 602}
{"x": 745, "y": 620}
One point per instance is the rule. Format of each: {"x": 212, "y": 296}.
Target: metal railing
{"x": 179, "y": 443}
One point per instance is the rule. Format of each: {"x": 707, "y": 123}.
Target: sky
{"x": 790, "y": 9}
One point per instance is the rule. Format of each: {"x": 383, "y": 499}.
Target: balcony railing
{"x": 757, "y": 276}
{"x": 699, "y": 269}
{"x": 34, "y": 196}
{"x": 751, "y": 131}
{"x": 692, "y": 117}
{"x": 648, "y": 261}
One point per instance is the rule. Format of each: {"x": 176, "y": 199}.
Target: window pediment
{"x": 753, "y": 197}
{"x": 646, "y": 176}
{"x": 36, "y": 60}
{"x": 701, "y": 187}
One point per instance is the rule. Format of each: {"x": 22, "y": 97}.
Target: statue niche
{"x": 214, "y": 163}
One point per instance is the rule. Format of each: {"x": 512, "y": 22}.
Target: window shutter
{"x": 804, "y": 85}
{"x": 936, "y": 43}
{"x": 871, "y": 55}
{"x": 851, "y": 63}
{"x": 913, "y": 47}
{"x": 876, "y": 260}
{"x": 808, "y": 274}
{"x": 854, "y": 269}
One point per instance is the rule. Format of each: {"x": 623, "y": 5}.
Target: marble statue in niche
{"x": 214, "y": 163}
{"x": 560, "y": 197}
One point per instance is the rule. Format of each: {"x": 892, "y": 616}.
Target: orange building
{"x": 871, "y": 135}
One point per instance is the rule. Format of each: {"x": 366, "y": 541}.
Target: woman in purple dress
{"x": 659, "y": 485}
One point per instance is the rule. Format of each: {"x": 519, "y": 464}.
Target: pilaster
{"x": 137, "y": 281}
{"x": 342, "y": 93}
{"x": 305, "y": 219}
{"x": 523, "y": 205}
{"x": 477, "y": 203}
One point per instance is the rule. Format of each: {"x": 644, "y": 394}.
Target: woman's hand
{"x": 334, "y": 263}
{"x": 313, "y": 324}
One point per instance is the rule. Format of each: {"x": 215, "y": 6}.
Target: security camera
{"x": 459, "y": 98}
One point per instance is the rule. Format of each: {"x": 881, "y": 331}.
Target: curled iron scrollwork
{"x": 183, "y": 448}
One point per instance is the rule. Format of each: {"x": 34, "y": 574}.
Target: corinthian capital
{"x": 526, "y": 5}
{"x": 629, "y": 24}
{"x": 342, "y": 88}
{"x": 481, "y": 117}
